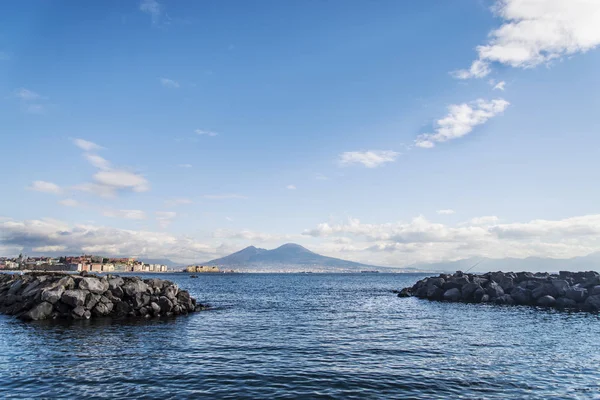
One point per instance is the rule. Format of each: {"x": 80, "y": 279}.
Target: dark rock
{"x": 53, "y": 295}
{"x": 468, "y": 290}
{"x": 134, "y": 287}
{"x": 93, "y": 285}
{"x": 91, "y": 301}
{"x": 595, "y": 290}
{"x": 546, "y": 301}
{"x": 577, "y": 294}
{"x": 504, "y": 299}
{"x": 405, "y": 292}
{"x": 155, "y": 308}
{"x": 479, "y": 294}
{"x": 452, "y": 294}
{"x": 592, "y": 303}
{"x": 439, "y": 282}
{"x": 521, "y": 296}
{"x": 435, "y": 293}
{"x": 165, "y": 304}
{"x": 42, "y": 311}
{"x": 78, "y": 312}
{"x": 561, "y": 286}
{"x": 546, "y": 289}
{"x": 563, "y": 302}
{"x": 122, "y": 308}
{"x": 74, "y": 298}
{"x": 103, "y": 309}
{"x": 117, "y": 292}
{"x": 494, "y": 290}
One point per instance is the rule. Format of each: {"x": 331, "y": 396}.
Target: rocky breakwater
{"x": 38, "y": 296}
{"x": 566, "y": 290}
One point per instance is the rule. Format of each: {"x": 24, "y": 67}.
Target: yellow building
{"x": 201, "y": 268}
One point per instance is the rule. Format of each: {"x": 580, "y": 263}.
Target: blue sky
{"x": 390, "y": 132}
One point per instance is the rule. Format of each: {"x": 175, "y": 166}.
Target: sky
{"x": 386, "y": 132}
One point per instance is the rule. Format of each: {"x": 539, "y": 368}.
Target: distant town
{"x": 89, "y": 263}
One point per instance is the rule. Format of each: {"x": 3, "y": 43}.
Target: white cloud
{"x": 460, "y": 121}
{"x": 184, "y": 165}
{"x": 153, "y": 8}
{"x": 205, "y": 133}
{"x": 27, "y": 95}
{"x": 69, "y": 203}
{"x": 97, "y": 161}
{"x": 46, "y": 187}
{"x": 420, "y": 240}
{"x": 445, "y": 212}
{"x": 370, "y": 159}
{"x": 248, "y": 235}
{"x": 164, "y": 218}
{"x": 86, "y": 145}
{"x": 178, "y": 201}
{"x": 96, "y": 189}
{"x": 101, "y": 240}
{"x": 535, "y": 32}
{"x": 119, "y": 179}
{"x": 125, "y": 214}
{"x": 169, "y": 83}
{"x": 291, "y": 187}
{"x": 49, "y": 249}
{"x": 499, "y": 86}
{"x": 478, "y": 69}
{"x": 223, "y": 196}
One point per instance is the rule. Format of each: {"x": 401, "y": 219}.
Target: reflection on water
{"x": 307, "y": 335}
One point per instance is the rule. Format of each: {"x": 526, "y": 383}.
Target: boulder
{"x": 563, "y": 302}
{"x": 134, "y": 287}
{"x": 103, "y": 309}
{"x": 435, "y": 293}
{"x": 155, "y": 308}
{"x": 405, "y": 292}
{"x": 74, "y": 298}
{"x": 478, "y": 295}
{"x": 592, "y": 303}
{"x": 53, "y": 295}
{"x": 171, "y": 292}
{"x": 504, "y": 299}
{"x": 42, "y": 311}
{"x": 577, "y": 294}
{"x": 439, "y": 282}
{"x": 546, "y": 301}
{"x": 115, "y": 282}
{"x": 521, "y": 296}
{"x": 166, "y": 305}
{"x": 561, "y": 286}
{"x": 595, "y": 290}
{"x": 117, "y": 292}
{"x": 494, "y": 290}
{"x": 93, "y": 285}
{"x": 123, "y": 308}
{"x": 452, "y": 294}
{"x": 546, "y": 289}
{"x": 78, "y": 312}
{"x": 455, "y": 282}
{"x": 468, "y": 290}
{"x": 91, "y": 300}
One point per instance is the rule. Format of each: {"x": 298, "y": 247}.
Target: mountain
{"x": 532, "y": 264}
{"x": 289, "y": 257}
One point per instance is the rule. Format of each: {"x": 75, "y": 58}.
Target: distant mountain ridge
{"x": 287, "y": 256}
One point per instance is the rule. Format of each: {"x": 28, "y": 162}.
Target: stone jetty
{"x": 38, "y": 296}
{"x": 565, "y": 290}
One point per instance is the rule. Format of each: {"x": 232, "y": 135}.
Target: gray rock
{"x": 134, "y": 287}
{"x": 563, "y": 302}
{"x": 504, "y": 299}
{"x": 561, "y": 286}
{"x": 546, "y": 301}
{"x": 103, "y": 309}
{"x": 54, "y": 295}
{"x": 113, "y": 283}
{"x": 546, "y": 289}
{"x": 521, "y": 296}
{"x": 39, "y": 312}
{"x": 494, "y": 290}
{"x": 468, "y": 290}
{"x": 143, "y": 311}
{"x": 117, "y": 292}
{"x": 433, "y": 293}
{"x": 91, "y": 300}
{"x": 141, "y": 300}
{"x": 122, "y": 308}
{"x": 451, "y": 294}
{"x": 32, "y": 289}
{"x": 595, "y": 290}
{"x": 485, "y": 298}
{"x": 479, "y": 294}
{"x": 93, "y": 285}
{"x": 577, "y": 294}
{"x": 592, "y": 303}
{"x": 155, "y": 308}
{"x": 74, "y": 298}
{"x": 405, "y": 292}
{"x": 171, "y": 292}
{"x": 78, "y": 312}
{"x": 165, "y": 304}
{"x": 439, "y": 282}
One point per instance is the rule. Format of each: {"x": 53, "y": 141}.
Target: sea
{"x": 308, "y": 336}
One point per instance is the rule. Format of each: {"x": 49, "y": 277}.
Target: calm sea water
{"x": 308, "y": 336}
